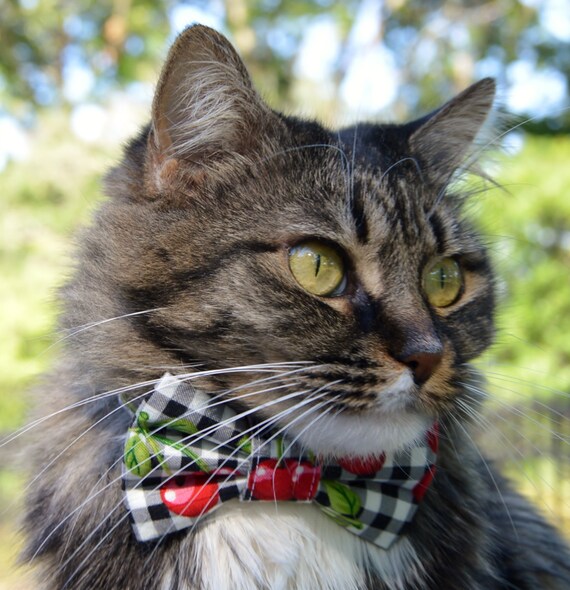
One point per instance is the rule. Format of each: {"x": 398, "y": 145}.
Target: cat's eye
{"x": 318, "y": 268}
{"x": 443, "y": 282}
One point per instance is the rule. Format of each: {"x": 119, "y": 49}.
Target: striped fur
{"x": 185, "y": 268}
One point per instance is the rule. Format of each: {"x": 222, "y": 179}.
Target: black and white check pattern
{"x": 203, "y": 435}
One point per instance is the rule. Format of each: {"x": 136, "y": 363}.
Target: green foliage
{"x": 117, "y": 40}
{"x": 438, "y": 47}
{"x": 43, "y": 201}
{"x": 528, "y": 227}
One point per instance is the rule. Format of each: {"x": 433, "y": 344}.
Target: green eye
{"x": 443, "y": 282}
{"x": 318, "y": 268}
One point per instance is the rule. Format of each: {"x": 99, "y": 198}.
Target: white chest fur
{"x": 261, "y": 545}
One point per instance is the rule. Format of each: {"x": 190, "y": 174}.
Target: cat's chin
{"x": 393, "y": 424}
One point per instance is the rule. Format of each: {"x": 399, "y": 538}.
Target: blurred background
{"x": 76, "y": 80}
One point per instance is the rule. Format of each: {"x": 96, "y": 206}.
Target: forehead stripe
{"x": 357, "y": 211}
{"x": 438, "y": 230}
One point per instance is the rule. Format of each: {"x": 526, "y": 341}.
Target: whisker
{"x": 193, "y": 439}
{"x": 39, "y": 475}
{"x": 119, "y": 522}
{"x": 205, "y": 432}
{"x": 514, "y": 410}
{"x": 273, "y": 368}
{"x": 489, "y": 471}
{"x": 186, "y": 440}
{"x": 91, "y": 399}
{"x": 488, "y": 425}
{"x": 269, "y": 423}
{"x": 272, "y": 419}
{"x": 512, "y": 128}
{"x": 312, "y": 422}
{"x": 398, "y": 163}
{"x": 513, "y": 379}
{"x": 182, "y": 440}
{"x": 79, "y": 329}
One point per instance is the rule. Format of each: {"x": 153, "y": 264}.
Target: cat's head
{"x": 340, "y": 261}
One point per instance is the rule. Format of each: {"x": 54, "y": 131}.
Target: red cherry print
{"x": 190, "y": 495}
{"x": 363, "y": 465}
{"x": 306, "y": 478}
{"x": 421, "y": 488}
{"x": 271, "y": 482}
{"x": 433, "y": 437}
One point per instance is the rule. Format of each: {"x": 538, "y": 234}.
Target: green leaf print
{"x": 183, "y": 425}
{"x": 142, "y": 420}
{"x": 342, "y": 520}
{"x": 157, "y": 441}
{"x": 137, "y": 456}
{"x": 343, "y": 500}
{"x": 200, "y": 463}
{"x": 245, "y": 445}
{"x": 279, "y": 446}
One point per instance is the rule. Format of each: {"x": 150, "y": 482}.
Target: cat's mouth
{"x": 394, "y": 422}
{"x": 399, "y": 395}
{"x": 348, "y": 412}
{"x": 362, "y": 435}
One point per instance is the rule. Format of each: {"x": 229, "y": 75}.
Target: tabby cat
{"x": 265, "y": 381}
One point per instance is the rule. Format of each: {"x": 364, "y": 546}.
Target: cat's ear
{"x": 205, "y": 106}
{"x": 446, "y": 139}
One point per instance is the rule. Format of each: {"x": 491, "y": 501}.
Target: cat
{"x": 325, "y": 288}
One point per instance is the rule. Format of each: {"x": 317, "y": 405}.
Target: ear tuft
{"x": 204, "y": 105}
{"x": 444, "y": 140}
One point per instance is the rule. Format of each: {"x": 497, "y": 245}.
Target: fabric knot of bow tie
{"x": 188, "y": 452}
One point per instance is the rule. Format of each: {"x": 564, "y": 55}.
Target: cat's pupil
{"x": 318, "y": 268}
{"x": 443, "y": 282}
{"x": 317, "y": 264}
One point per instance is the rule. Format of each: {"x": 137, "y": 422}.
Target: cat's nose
{"x": 422, "y": 364}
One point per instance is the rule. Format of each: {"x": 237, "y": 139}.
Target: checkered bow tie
{"x": 185, "y": 454}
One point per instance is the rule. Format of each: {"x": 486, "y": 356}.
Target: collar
{"x": 187, "y": 452}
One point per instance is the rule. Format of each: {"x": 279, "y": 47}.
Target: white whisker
{"x": 518, "y": 412}
{"x": 261, "y": 427}
{"x": 490, "y": 473}
{"x": 187, "y": 441}
{"x": 489, "y": 425}
{"x": 71, "y": 332}
{"x": 261, "y": 368}
{"x": 205, "y": 433}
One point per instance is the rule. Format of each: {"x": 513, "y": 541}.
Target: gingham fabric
{"x": 187, "y": 452}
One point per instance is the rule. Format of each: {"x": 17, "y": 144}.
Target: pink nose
{"x": 422, "y": 364}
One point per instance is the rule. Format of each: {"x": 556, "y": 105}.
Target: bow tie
{"x": 188, "y": 452}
